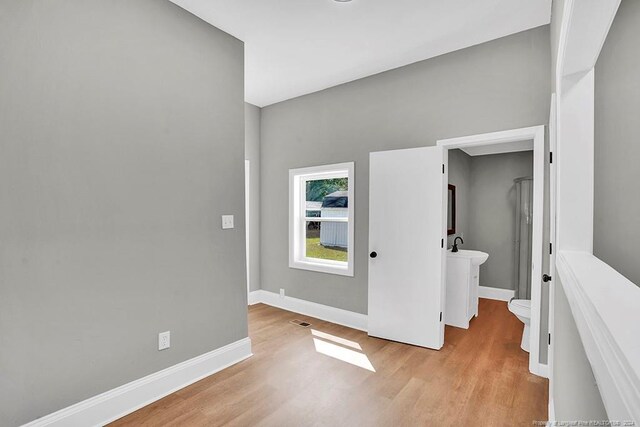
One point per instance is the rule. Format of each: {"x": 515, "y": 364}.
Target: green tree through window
{"x": 318, "y": 189}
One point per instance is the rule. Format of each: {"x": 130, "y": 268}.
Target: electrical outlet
{"x": 164, "y": 340}
{"x": 227, "y": 221}
{"x": 281, "y": 292}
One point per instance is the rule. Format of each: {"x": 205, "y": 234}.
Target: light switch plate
{"x": 164, "y": 340}
{"x": 227, "y": 222}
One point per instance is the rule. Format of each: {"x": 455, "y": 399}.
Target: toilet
{"x": 522, "y": 309}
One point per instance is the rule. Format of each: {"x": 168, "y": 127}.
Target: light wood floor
{"x": 478, "y": 378}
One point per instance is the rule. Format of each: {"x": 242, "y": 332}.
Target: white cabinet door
{"x": 407, "y": 230}
{"x": 474, "y": 290}
{"x": 457, "y": 284}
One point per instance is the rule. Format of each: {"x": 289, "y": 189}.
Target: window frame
{"x": 298, "y": 219}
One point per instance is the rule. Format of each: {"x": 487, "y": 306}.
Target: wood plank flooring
{"x": 479, "y": 378}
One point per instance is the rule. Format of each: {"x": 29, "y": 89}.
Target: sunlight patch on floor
{"x": 344, "y": 354}
{"x": 338, "y": 340}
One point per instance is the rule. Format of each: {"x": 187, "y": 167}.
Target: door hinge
{"x": 550, "y": 248}
{"x": 549, "y": 339}
{"x": 442, "y": 243}
{"x": 551, "y": 157}
{"x": 441, "y": 316}
{"x": 443, "y": 168}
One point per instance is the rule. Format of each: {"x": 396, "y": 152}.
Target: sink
{"x": 477, "y": 257}
{"x": 463, "y": 286}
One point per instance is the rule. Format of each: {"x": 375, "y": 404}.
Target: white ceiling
{"x": 295, "y": 47}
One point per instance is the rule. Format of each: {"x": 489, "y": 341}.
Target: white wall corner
{"x": 118, "y": 402}
{"x": 498, "y": 294}
{"x": 327, "y": 313}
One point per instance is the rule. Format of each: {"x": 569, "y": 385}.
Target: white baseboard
{"x": 539, "y": 369}
{"x": 319, "y": 311}
{"x": 496, "y": 293}
{"x": 254, "y": 297}
{"x": 118, "y": 402}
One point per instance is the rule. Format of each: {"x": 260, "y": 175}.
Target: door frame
{"x": 553, "y": 135}
{"x": 247, "y": 220}
{"x": 512, "y": 137}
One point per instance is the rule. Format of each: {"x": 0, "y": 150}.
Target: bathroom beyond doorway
{"x": 514, "y": 140}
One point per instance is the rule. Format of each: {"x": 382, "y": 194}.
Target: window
{"x": 321, "y": 218}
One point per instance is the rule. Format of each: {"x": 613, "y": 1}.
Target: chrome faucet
{"x": 455, "y": 244}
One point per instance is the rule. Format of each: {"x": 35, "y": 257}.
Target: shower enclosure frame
{"x": 522, "y": 139}
{"x": 525, "y": 235}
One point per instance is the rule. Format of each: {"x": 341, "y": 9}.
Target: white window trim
{"x": 297, "y": 219}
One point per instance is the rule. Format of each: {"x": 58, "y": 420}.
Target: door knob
{"x": 546, "y": 278}
{"x": 373, "y": 254}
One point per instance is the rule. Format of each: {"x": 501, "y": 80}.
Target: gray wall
{"x": 492, "y": 224}
{"x": 617, "y": 149}
{"x": 121, "y": 132}
{"x": 502, "y": 84}
{"x": 252, "y": 153}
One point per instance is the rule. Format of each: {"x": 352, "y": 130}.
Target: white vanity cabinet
{"x": 463, "y": 281}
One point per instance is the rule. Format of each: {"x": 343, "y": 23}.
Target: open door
{"x": 407, "y": 231}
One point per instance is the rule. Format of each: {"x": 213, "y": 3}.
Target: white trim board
{"x": 498, "y": 294}
{"x": 118, "y": 402}
{"x": 584, "y": 29}
{"x": 247, "y": 220}
{"x": 339, "y": 316}
{"x": 604, "y": 305}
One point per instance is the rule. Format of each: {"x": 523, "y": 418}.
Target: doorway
{"x": 513, "y": 141}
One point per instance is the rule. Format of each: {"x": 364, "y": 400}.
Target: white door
{"x": 406, "y": 243}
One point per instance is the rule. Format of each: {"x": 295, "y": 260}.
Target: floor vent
{"x": 300, "y": 323}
